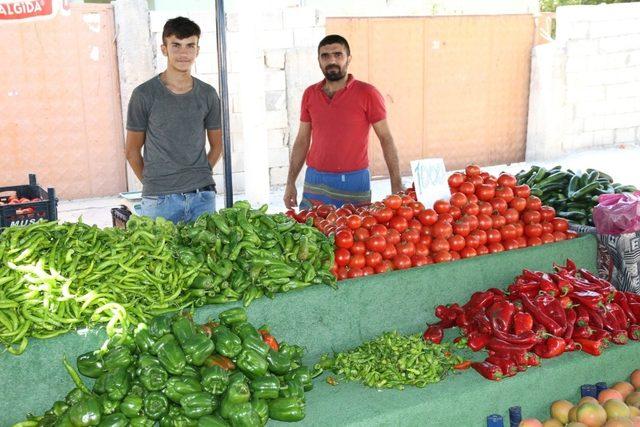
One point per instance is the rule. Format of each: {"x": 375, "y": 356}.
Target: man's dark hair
{"x": 180, "y": 27}
{"x": 335, "y": 38}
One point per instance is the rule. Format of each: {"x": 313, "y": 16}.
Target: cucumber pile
{"x": 572, "y": 194}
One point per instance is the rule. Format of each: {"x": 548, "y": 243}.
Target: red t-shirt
{"x": 340, "y": 125}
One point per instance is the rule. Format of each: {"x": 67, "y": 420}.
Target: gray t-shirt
{"x": 175, "y": 159}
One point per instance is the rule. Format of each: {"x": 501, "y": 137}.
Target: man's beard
{"x": 333, "y": 73}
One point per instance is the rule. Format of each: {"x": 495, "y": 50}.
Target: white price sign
{"x": 430, "y": 178}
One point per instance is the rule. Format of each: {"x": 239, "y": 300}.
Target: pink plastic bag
{"x": 617, "y": 213}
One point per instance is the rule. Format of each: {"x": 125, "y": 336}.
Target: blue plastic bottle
{"x": 495, "y": 420}
{"x": 588, "y": 390}
{"x": 515, "y": 416}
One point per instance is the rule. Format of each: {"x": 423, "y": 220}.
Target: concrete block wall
{"x": 596, "y": 63}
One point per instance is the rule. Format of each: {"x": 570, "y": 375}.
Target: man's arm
{"x": 390, "y": 153}
{"x": 133, "y": 147}
{"x": 298, "y": 156}
{"x": 215, "y": 144}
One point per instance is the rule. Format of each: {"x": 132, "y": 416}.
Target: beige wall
{"x": 456, "y": 87}
{"x": 60, "y": 104}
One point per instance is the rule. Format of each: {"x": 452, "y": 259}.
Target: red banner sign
{"x": 17, "y": 10}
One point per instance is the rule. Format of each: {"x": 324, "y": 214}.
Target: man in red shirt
{"x": 335, "y": 118}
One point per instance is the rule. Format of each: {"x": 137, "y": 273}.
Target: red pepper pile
{"x": 484, "y": 215}
{"x": 541, "y": 315}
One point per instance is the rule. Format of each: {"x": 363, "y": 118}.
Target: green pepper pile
{"x": 176, "y": 373}
{"x": 56, "y": 277}
{"x": 572, "y": 194}
{"x": 393, "y": 360}
{"x": 245, "y": 253}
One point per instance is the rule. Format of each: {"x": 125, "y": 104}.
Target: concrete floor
{"x": 622, "y": 163}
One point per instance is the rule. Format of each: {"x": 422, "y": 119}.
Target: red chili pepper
{"x": 589, "y": 299}
{"x": 476, "y": 341}
{"x": 519, "y": 357}
{"x": 600, "y": 334}
{"x": 566, "y": 302}
{"x": 522, "y": 322}
{"x": 635, "y": 309}
{"x": 488, "y": 370}
{"x": 526, "y": 338}
{"x": 620, "y": 298}
{"x": 434, "y": 333}
{"x": 501, "y": 315}
{"x": 533, "y": 359}
{"x": 571, "y": 345}
{"x": 571, "y": 322}
{"x": 595, "y": 318}
{"x": 480, "y": 300}
{"x": 619, "y": 314}
{"x": 219, "y": 360}
{"x": 556, "y": 312}
{"x": 462, "y": 320}
{"x": 463, "y": 365}
{"x": 550, "y": 325}
{"x": 446, "y": 315}
{"x": 571, "y": 266}
{"x": 634, "y": 332}
{"x": 611, "y": 322}
{"x": 563, "y": 284}
{"x": 592, "y": 347}
{"x": 507, "y": 365}
{"x": 582, "y": 332}
{"x": 481, "y": 322}
{"x": 529, "y": 288}
{"x": 619, "y": 337}
{"x": 502, "y": 346}
{"x": 269, "y": 339}
{"x": 498, "y": 293}
{"x": 583, "y": 316}
{"x": 551, "y": 347}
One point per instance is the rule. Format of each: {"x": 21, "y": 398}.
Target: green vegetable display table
{"x": 323, "y": 320}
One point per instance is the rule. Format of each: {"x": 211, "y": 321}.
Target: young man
{"x": 335, "y": 118}
{"x": 169, "y": 116}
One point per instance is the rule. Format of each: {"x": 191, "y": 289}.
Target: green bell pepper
{"x": 143, "y": 339}
{"x": 197, "y": 348}
{"x": 244, "y": 415}
{"x": 117, "y": 384}
{"x": 294, "y": 352}
{"x": 287, "y": 409}
{"x": 304, "y": 375}
{"x": 74, "y": 396}
{"x": 114, "y": 420}
{"x": 107, "y": 405}
{"x": 293, "y": 388}
{"x": 212, "y": 421}
{"x": 118, "y": 357}
{"x": 237, "y": 392}
{"x": 267, "y": 387}
{"x": 177, "y": 420}
{"x": 215, "y": 379}
{"x": 131, "y": 406}
{"x": 279, "y": 363}
{"x": 137, "y": 389}
{"x": 146, "y": 360}
{"x": 64, "y": 421}
{"x": 252, "y": 364}
{"x": 155, "y": 405}
{"x": 59, "y": 407}
{"x": 191, "y": 372}
{"x": 195, "y": 405}
{"x": 256, "y": 344}
{"x": 90, "y": 365}
{"x": 262, "y": 409}
{"x": 141, "y": 422}
{"x": 233, "y": 316}
{"x": 85, "y": 413}
{"x": 183, "y": 328}
{"x": 178, "y": 387}
{"x": 153, "y": 378}
{"x": 244, "y": 330}
{"x": 159, "y": 326}
{"x": 227, "y": 343}
{"x": 170, "y": 354}
{"x": 99, "y": 386}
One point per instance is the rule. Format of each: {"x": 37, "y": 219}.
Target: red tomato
{"x": 383, "y": 215}
{"x": 415, "y": 224}
{"x": 343, "y": 211}
{"x": 472, "y": 241}
{"x": 533, "y": 230}
{"x": 482, "y": 250}
{"x": 560, "y": 224}
{"x": 361, "y": 234}
{"x": 547, "y": 238}
{"x": 411, "y": 235}
{"x": 441, "y": 206}
{"x": 485, "y": 208}
{"x": 534, "y": 241}
{"x": 378, "y": 230}
{"x": 484, "y": 222}
{"x": 342, "y": 257}
{"x": 508, "y": 232}
{"x": 571, "y": 234}
{"x": 355, "y": 272}
{"x": 393, "y": 201}
{"x": 399, "y": 223}
{"x": 422, "y": 249}
{"x": 522, "y": 242}
{"x": 472, "y": 198}
{"x": 342, "y": 220}
{"x": 439, "y": 245}
{"x": 462, "y": 227}
{"x": 548, "y": 213}
{"x": 344, "y": 239}
{"x": 446, "y": 217}
{"x": 428, "y": 217}
{"x": 476, "y": 180}
{"x": 420, "y": 260}
{"x": 407, "y": 199}
{"x": 472, "y": 170}
{"x": 485, "y": 192}
{"x": 482, "y": 235}
{"x": 458, "y": 199}
{"x": 519, "y": 226}
{"x": 442, "y": 256}
{"x": 406, "y": 248}
{"x": 357, "y": 261}
{"x": 547, "y": 227}
{"x": 368, "y": 271}
{"x": 485, "y": 175}
{"x": 505, "y": 193}
{"x": 522, "y": 191}
{"x": 531, "y": 217}
{"x": 401, "y": 262}
{"x": 324, "y": 210}
{"x": 393, "y": 236}
{"x": 534, "y": 203}
{"x": 493, "y": 236}
{"x": 426, "y": 240}
{"x": 358, "y": 248}
{"x": 456, "y": 242}
{"x": 354, "y": 222}
{"x": 373, "y": 258}
{"x": 471, "y": 220}
{"x": 343, "y": 273}
{"x": 405, "y": 212}
{"x": 494, "y": 248}
{"x": 376, "y": 243}
{"x": 455, "y": 255}
{"x": 442, "y": 229}
{"x": 383, "y": 267}
{"x": 368, "y": 221}
{"x": 510, "y": 244}
{"x": 471, "y": 209}
{"x": 511, "y": 215}
{"x": 491, "y": 181}
{"x": 559, "y": 236}
{"x": 497, "y": 221}
{"x": 499, "y": 205}
{"x": 426, "y": 231}
{"x": 455, "y": 180}
{"x": 518, "y": 203}
{"x": 417, "y": 207}
{"x": 389, "y": 251}
{"x": 507, "y": 180}
{"x": 467, "y": 188}
{"x": 468, "y": 252}
{"x": 455, "y": 212}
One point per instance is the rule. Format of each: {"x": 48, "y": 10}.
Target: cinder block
{"x": 634, "y": 58}
{"x": 235, "y": 122}
{"x": 607, "y": 61}
{"x": 279, "y": 157}
{"x": 578, "y": 141}
{"x": 276, "y": 138}
{"x": 271, "y": 19}
{"x": 274, "y": 80}
{"x": 300, "y": 17}
{"x": 275, "y": 100}
{"x": 277, "y": 39}
{"x": 626, "y": 105}
{"x": 233, "y": 22}
{"x": 206, "y": 20}
{"x": 207, "y": 63}
{"x": 596, "y": 123}
{"x": 625, "y": 135}
{"x": 613, "y": 28}
{"x": 625, "y": 90}
{"x": 582, "y": 47}
{"x": 590, "y": 108}
{"x": 576, "y": 64}
{"x": 308, "y": 37}
{"x": 278, "y": 176}
{"x": 603, "y": 137}
{"x": 578, "y": 94}
{"x": 621, "y": 121}
{"x": 276, "y": 119}
{"x": 274, "y": 58}
{"x": 208, "y": 43}
{"x": 620, "y": 43}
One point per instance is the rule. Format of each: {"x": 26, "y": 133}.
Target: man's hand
{"x": 290, "y": 196}
{"x": 396, "y": 187}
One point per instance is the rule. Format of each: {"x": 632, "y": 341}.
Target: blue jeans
{"x": 177, "y": 207}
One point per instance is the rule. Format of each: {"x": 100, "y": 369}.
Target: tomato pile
{"x": 14, "y": 200}
{"x": 484, "y": 215}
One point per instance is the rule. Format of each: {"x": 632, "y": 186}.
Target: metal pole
{"x": 224, "y": 98}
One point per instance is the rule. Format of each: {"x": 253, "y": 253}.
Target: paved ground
{"x": 622, "y": 163}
